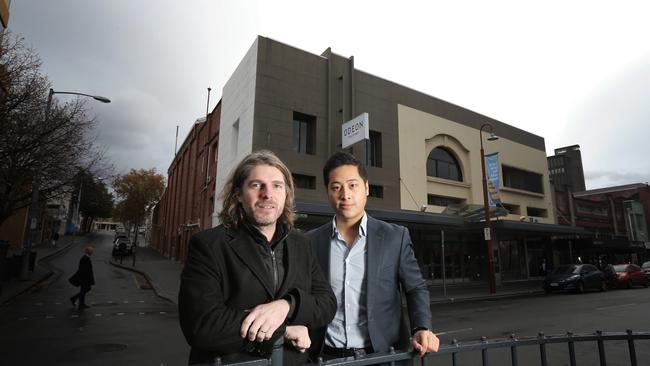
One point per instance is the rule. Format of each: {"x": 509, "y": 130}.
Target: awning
{"x": 304, "y": 209}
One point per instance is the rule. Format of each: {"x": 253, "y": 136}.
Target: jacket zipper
{"x": 275, "y": 271}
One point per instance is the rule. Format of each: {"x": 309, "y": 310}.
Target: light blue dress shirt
{"x": 348, "y": 279}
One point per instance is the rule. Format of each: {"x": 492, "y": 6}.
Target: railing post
{"x": 278, "y": 352}
{"x": 572, "y": 351}
{"x": 216, "y": 362}
{"x": 630, "y": 345}
{"x": 513, "y": 350}
{"x": 601, "y": 348}
{"x": 542, "y": 349}
{"x": 454, "y": 355}
{"x": 484, "y": 352}
{"x": 392, "y": 352}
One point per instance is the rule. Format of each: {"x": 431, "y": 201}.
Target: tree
{"x": 96, "y": 201}
{"x": 138, "y": 192}
{"x": 52, "y": 149}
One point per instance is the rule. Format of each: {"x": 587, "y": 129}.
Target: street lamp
{"x": 486, "y": 208}
{"x": 32, "y": 222}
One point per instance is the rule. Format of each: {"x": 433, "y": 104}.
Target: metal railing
{"x": 456, "y": 349}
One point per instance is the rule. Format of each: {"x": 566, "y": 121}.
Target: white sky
{"x": 573, "y": 72}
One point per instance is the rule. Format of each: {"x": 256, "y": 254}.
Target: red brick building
{"x": 187, "y": 205}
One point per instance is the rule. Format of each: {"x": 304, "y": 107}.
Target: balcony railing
{"x": 536, "y": 344}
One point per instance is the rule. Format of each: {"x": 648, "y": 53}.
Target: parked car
{"x": 628, "y": 275}
{"x": 574, "y": 277}
{"x": 646, "y": 269}
{"x": 122, "y": 246}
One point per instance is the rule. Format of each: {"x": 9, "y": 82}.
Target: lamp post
{"x": 486, "y": 208}
{"x": 33, "y": 219}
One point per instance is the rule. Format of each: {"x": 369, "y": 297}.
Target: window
{"x": 304, "y": 181}
{"x": 304, "y": 133}
{"x": 375, "y": 191}
{"x": 442, "y": 164}
{"x": 521, "y": 179}
{"x": 536, "y": 212}
{"x": 374, "y": 149}
{"x": 434, "y": 200}
{"x": 513, "y": 209}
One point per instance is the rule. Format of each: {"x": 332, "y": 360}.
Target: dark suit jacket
{"x": 391, "y": 265}
{"x": 224, "y": 276}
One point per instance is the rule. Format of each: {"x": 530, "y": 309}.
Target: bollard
{"x": 513, "y": 350}
{"x": 572, "y": 351}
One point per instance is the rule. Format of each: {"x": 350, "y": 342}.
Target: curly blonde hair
{"x": 232, "y": 214}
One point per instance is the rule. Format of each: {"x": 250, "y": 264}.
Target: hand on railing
{"x": 424, "y": 341}
{"x": 263, "y": 320}
{"x": 298, "y": 336}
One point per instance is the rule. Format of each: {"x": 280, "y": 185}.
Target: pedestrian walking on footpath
{"x": 83, "y": 278}
{"x": 55, "y": 237}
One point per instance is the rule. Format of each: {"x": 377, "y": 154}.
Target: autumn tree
{"x": 137, "y": 192}
{"x": 51, "y": 149}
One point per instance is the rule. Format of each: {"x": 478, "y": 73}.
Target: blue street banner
{"x": 492, "y": 175}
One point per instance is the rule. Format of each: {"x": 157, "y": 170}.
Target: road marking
{"x": 615, "y": 306}
{"x": 120, "y": 314}
{"x": 163, "y": 312}
{"x": 454, "y": 331}
{"x": 98, "y": 314}
{"x": 126, "y": 301}
{"x": 141, "y": 313}
{"x": 110, "y": 302}
{"x": 141, "y": 301}
{"x": 39, "y": 304}
{"x": 57, "y": 303}
{"x": 74, "y": 316}
{"x": 23, "y": 318}
{"x": 49, "y": 317}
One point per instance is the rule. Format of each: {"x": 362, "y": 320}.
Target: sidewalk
{"x": 163, "y": 275}
{"x": 15, "y": 286}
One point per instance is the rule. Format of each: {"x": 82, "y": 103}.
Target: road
{"x": 126, "y": 325}
{"x": 555, "y": 314}
{"x": 129, "y": 325}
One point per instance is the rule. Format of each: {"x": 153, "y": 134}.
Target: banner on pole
{"x": 492, "y": 175}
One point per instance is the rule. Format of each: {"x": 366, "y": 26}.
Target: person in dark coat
{"x": 83, "y": 278}
{"x": 253, "y": 279}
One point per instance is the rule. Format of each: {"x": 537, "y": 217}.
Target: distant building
{"x": 186, "y": 206}
{"x": 565, "y": 169}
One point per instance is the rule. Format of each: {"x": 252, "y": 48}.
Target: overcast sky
{"x": 573, "y": 72}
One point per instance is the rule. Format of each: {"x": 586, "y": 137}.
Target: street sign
{"x": 355, "y": 130}
{"x": 486, "y": 233}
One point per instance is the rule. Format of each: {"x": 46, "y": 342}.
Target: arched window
{"x": 442, "y": 164}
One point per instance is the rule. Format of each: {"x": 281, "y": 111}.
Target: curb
{"x": 146, "y": 277}
{"x": 458, "y": 300}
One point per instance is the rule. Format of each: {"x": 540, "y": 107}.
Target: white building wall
{"x": 236, "y": 129}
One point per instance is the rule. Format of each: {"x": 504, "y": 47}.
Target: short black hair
{"x": 341, "y": 158}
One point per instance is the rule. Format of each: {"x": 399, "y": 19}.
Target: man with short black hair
{"x": 367, "y": 262}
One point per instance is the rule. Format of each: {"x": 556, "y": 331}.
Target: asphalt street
{"x": 555, "y": 314}
{"x": 126, "y": 324}
{"x": 129, "y": 325}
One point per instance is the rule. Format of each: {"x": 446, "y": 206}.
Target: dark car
{"x": 628, "y": 275}
{"x": 122, "y": 246}
{"x": 646, "y": 269}
{"x": 575, "y": 277}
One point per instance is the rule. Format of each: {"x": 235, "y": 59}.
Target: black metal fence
{"x": 514, "y": 344}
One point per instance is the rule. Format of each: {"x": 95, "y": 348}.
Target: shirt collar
{"x": 362, "y": 227}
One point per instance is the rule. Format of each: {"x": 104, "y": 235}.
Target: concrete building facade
{"x": 422, "y": 151}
